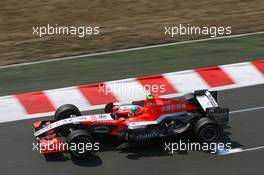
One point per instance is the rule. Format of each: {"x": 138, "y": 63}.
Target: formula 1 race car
{"x": 137, "y": 122}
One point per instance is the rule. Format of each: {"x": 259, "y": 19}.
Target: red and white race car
{"x": 137, "y": 122}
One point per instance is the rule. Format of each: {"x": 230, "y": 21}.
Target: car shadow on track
{"x": 155, "y": 148}
{"x": 92, "y": 161}
{"x": 226, "y": 138}
{"x": 158, "y": 148}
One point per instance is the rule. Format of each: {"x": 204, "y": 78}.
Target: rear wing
{"x": 206, "y": 99}
{"x": 208, "y": 102}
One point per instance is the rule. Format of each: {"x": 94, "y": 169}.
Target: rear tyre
{"x": 65, "y": 111}
{"x": 80, "y": 144}
{"x": 206, "y": 130}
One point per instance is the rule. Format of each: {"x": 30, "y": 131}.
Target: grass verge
{"x": 130, "y": 64}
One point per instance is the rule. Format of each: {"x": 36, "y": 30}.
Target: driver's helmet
{"x": 115, "y": 108}
{"x": 134, "y": 110}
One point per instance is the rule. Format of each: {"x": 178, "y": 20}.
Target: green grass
{"x": 130, "y": 64}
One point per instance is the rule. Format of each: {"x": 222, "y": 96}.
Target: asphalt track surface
{"x": 247, "y": 130}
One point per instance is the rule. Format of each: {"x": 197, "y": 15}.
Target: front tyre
{"x": 206, "y": 130}
{"x": 80, "y": 144}
{"x": 109, "y": 108}
{"x": 65, "y": 111}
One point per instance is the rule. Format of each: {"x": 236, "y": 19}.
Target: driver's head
{"x": 134, "y": 110}
{"x": 115, "y": 108}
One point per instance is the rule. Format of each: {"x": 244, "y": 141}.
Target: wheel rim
{"x": 210, "y": 134}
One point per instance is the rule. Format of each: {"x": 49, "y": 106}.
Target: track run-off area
{"x": 245, "y": 132}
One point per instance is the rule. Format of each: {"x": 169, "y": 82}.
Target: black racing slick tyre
{"x": 109, "y": 108}
{"x": 80, "y": 144}
{"x": 206, "y": 130}
{"x": 65, "y": 111}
